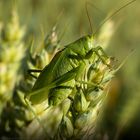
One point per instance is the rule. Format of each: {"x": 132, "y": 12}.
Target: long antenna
{"x": 96, "y": 8}
{"x": 116, "y": 12}
{"x": 88, "y": 17}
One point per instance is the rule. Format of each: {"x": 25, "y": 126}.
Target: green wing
{"x": 39, "y": 95}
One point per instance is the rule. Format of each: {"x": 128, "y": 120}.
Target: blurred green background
{"x": 123, "y": 106}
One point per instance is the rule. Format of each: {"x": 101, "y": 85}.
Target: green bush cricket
{"x": 67, "y": 70}
{"x": 67, "y": 67}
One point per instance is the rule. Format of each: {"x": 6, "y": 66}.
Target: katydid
{"x": 57, "y": 80}
{"x": 67, "y": 70}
